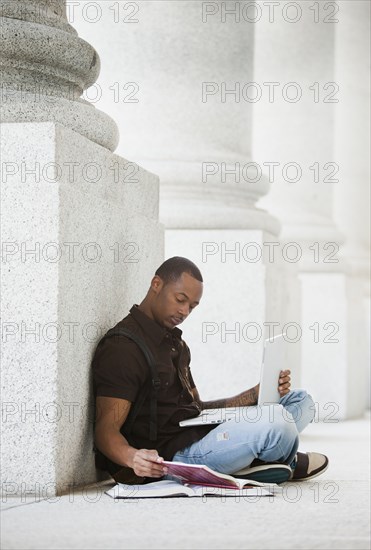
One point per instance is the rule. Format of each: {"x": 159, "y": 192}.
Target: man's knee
{"x": 295, "y": 396}
{"x": 282, "y": 424}
{"x": 304, "y": 402}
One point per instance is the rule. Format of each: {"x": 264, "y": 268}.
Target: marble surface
{"x": 45, "y": 68}
{"x": 331, "y": 511}
{"x": 90, "y": 218}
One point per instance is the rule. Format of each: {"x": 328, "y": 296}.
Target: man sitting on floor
{"x": 132, "y": 447}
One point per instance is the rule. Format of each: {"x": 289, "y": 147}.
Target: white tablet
{"x": 274, "y": 360}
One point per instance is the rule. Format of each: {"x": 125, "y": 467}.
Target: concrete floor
{"x": 331, "y": 511}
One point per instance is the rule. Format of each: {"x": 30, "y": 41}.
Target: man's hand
{"x": 284, "y": 382}
{"x": 111, "y": 415}
{"x": 147, "y": 463}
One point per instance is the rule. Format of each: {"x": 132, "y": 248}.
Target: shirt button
{"x": 173, "y": 349}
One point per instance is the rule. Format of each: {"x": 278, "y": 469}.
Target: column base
{"x": 243, "y": 295}
{"x": 81, "y": 241}
{"x": 334, "y": 351}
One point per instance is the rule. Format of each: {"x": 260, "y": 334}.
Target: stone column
{"x": 209, "y": 189}
{"x": 43, "y": 83}
{"x": 187, "y": 118}
{"x": 294, "y": 135}
{"x": 352, "y": 195}
{"x": 80, "y": 241}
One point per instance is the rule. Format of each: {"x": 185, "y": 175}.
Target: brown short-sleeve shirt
{"x": 120, "y": 370}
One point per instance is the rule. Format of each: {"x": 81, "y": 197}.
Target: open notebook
{"x": 171, "y": 488}
{"x": 193, "y": 480}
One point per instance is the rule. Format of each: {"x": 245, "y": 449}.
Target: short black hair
{"x": 172, "y": 269}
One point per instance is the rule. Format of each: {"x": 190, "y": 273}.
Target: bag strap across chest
{"x": 151, "y": 388}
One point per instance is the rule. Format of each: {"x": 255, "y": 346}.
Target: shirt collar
{"x": 150, "y": 327}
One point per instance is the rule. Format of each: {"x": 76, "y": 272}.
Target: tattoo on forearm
{"x": 216, "y": 404}
{"x": 244, "y": 399}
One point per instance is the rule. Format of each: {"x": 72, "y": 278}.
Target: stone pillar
{"x": 43, "y": 83}
{"x": 295, "y": 60}
{"x": 181, "y": 101}
{"x": 352, "y": 195}
{"x": 209, "y": 189}
{"x": 80, "y": 241}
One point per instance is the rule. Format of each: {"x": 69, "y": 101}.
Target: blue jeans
{"x": 269, "y": 433}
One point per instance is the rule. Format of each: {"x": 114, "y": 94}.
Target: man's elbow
{"x": 196, "y": 396}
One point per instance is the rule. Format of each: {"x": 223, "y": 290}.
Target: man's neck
{"x": 145, "y": 308}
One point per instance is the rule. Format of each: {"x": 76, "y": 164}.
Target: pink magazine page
{"x": 198, "y": 475}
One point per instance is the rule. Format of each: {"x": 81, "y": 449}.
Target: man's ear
{"x": 156, "y": 284}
